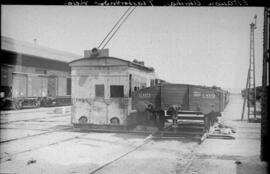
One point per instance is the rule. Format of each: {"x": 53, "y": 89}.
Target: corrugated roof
{"x": 14, "y": 45}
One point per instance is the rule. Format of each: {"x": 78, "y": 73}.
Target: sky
{"x": 192, "y": 45}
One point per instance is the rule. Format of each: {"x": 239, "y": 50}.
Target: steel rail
{"x": 7, "y": 158}
{"x": 29, "y": 136}
{"x": 33, "y": 119}
{"x": 145, "y": 141}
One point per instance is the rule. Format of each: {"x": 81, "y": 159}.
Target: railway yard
{"x": 98, "y": 113}
{"x": 42, "y": 140}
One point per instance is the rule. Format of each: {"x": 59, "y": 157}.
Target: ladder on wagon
{"x": 250, "y": 91}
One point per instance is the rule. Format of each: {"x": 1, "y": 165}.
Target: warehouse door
{"x": 52, "y": 86}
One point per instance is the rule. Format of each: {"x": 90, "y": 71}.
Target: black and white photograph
{"x": 108, "y": 89}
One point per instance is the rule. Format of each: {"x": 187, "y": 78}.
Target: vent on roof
{"x": 138, "y": 62}
{"x": 96, "y": 53}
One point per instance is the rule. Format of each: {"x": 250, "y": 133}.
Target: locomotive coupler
{"x": 174, "y": 110}
{"x": 174, "y": 125}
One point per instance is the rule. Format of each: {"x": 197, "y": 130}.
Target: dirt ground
{"x": 41, "y": 141}
{"x": 238, "y": 156}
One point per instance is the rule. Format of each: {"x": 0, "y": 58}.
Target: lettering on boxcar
{"x": 144, "y": 95}
{"x": 196, "y": 93}
{"x": 209, "y": 96}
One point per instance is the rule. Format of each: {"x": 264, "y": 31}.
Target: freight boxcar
{"x": 187, "y": 97}
{"x": 20, "y": 90}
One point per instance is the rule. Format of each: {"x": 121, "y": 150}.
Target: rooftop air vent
{"x": 95, "y": 52}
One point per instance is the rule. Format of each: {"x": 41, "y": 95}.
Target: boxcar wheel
{"x": 18, "y": 105}
{"x": 37, "y": 104}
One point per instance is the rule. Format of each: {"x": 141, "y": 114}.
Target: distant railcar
{"x": 21, "y": 90}
{"x": 33, "y": 75}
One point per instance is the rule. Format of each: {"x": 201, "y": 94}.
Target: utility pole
{"x": 245, "y": 98}
{"x": 252, "y": 81}
{"x": 250, "y": 91}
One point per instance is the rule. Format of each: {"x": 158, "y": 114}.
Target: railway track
{"x": 47, "y": 131}
{"x": 144, "y": 142}
{"x": 35, "y": 119}
{"x": 30, "y": 136}
{"x": 166, "y": 134}
{"x": 30, "y": 110}
{"x": 5, "y": 157}
{"x": 10, "y": 156}
{"x": 148, "y": 139}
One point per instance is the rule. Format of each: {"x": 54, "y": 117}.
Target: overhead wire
{"x": 119, "y": 26}
{"x": 122, "y": 22}
{"x": 114, "y": 26}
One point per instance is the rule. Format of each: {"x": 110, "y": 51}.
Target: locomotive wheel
{"x": 83, "y": 120}
{"x": 207, "y": 123}
{"x": 160, "y": 121}
{"x": 37, "y": 104}
{"x": 115, "y": 121}
{"x": 18, "y": 105}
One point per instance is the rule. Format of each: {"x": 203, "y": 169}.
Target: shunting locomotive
{"x": 112, "y": 93}
{"x": 102, "y": 89}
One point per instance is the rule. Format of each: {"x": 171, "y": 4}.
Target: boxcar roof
{"x": 108, "y": 61}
